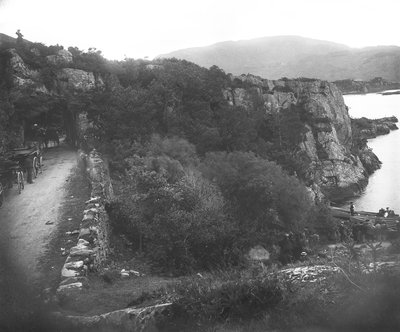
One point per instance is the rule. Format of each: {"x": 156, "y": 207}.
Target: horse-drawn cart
{"x": 10, "y": 170}
{"x": 33, "y": 153}
{"x": 13, "y": 164}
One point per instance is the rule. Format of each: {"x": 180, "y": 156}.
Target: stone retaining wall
{"x": 93, "y": 240}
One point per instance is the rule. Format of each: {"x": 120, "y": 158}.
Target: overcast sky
{"x": 136, "y": 29}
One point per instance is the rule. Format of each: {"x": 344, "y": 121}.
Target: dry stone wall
{"x": 93, "y": 241}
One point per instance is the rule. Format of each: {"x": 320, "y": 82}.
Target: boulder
{"x": 66, "y": 273}
{"x": 259, "y": 253}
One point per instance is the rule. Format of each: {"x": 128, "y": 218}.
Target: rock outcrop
{"x": 368, "y": 128}
{"x": 62, "y": 57}
{"x": 326, "y": 146}
{"x": 36, "y": 84}
{"x": 66, "y": 79}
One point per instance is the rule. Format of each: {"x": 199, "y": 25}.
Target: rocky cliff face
{"x": 39, "y": 86}
{"x": 327, "y": 141}
{"x": 66, "y": 79}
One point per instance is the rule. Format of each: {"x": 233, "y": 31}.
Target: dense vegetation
{"x": 201, "y": 181}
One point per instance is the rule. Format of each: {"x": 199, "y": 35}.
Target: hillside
{"x": 293, "y": 56}
{"x": 6, "y": 39}
{"x": 132, "y": 100}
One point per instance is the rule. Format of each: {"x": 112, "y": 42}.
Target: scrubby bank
{"x": 189, "y": 215}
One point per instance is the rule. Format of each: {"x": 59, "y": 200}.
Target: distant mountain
{"x": 293, "y": 56}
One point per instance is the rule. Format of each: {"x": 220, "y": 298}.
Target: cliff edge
{"x": 330, "y": 162}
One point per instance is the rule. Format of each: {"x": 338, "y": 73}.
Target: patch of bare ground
{"x": 108, "y": 290}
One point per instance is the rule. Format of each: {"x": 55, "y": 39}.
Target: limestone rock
{"x": 84, "y": 232}
{"x": 81, "y": 252}
{"x": 72, "y": 280}
{"x": 74, "y": 265}
{"x": 370, "y": 161}
{"x": 259, "y": 253}
{"x": 61, "y": 58}
{"x": 77, "y": 79}
{"x": 68, "y": 287}
{"x": 66, "y": 273}
{"x": 23, "y": 76}
{"x": 326, "y": 145}
{"x": 309, "y": 274}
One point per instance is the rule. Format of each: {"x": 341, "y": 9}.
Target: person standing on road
{"x": 352, "y": 208}
{"x": 28, "y": 165}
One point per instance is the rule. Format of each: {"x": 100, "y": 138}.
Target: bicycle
{"x": 39, "y": 164}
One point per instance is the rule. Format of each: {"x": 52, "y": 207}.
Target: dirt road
{"x": 23, "y": 218}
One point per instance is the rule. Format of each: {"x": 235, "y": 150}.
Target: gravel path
{"x": 24, "y": 232}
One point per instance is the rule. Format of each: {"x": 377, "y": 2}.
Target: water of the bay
{"x": 383, "y": 189}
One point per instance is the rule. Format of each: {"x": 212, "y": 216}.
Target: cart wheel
{"x": 19, "y": 182}
{"x": 22, "y": 181}
{"x": 40, "y": 164}
{"x": 35, "y": 168}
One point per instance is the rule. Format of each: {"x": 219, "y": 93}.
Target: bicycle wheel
{"x": 20, "y": 181}
{"x": 35, "y": 167}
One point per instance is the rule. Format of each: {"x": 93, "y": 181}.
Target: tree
{"x": 260, "y": 195}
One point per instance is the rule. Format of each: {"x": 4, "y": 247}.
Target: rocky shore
{"x": 371, "y": 128}
{"x": 377, "y": 84}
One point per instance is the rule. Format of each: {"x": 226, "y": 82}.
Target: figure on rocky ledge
{"x": 19, "y": 36}
{"x": 386, "y": 214}
{"x": 381, "y": 212}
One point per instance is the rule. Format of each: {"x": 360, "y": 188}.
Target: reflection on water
{"x": 383, "y": 189}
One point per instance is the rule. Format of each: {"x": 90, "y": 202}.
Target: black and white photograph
{"x": 199, "y": 166}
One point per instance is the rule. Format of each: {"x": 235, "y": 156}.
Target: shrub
{"x": 260, "y": 195}
{"x": 174, "y": 215}
{"x": 222, "y": 297}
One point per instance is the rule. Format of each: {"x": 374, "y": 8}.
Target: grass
{"x": 108, "y": 291}
{"x": 102, "y": 297}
